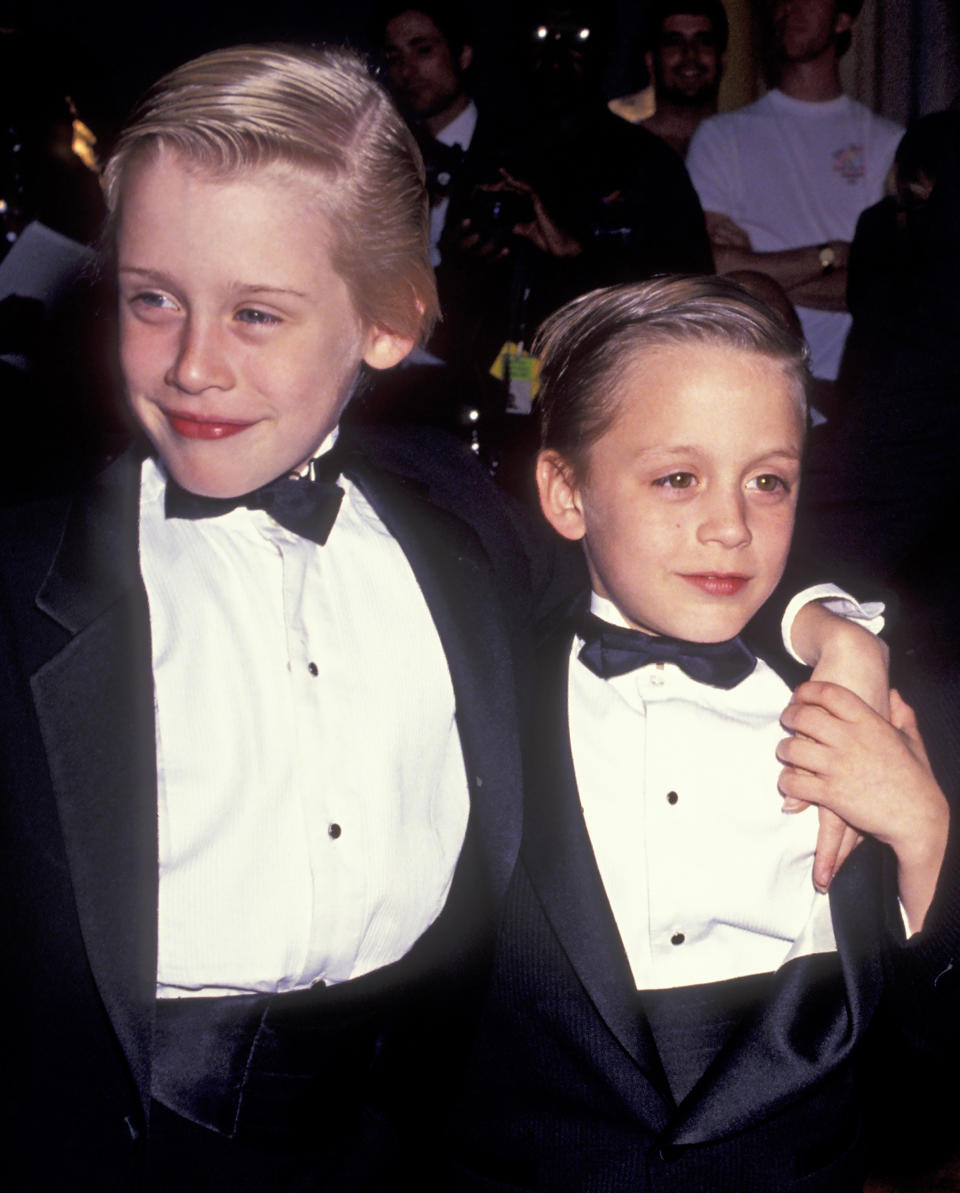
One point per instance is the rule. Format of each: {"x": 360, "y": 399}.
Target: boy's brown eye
{"x": 677, "y": 480}
{"x": 768, "y": 483}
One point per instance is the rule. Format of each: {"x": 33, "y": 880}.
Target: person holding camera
{"x": 527, "y": 214}
{"x": 477, "y": 208}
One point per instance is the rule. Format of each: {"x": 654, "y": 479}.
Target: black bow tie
{"x": 611, "y": 650}
{"x": 306, "y": 505}
{"x": 443, "y": 163}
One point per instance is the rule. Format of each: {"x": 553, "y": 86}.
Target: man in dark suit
{"x": 429, "y": 55}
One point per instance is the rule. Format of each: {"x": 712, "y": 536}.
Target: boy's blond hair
{"x": 584, "y": 347}
{"x": 320, "y": 110}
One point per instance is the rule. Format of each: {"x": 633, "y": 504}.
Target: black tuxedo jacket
{"x": 566, "y": 1091}
{"x": 78, "y": 777}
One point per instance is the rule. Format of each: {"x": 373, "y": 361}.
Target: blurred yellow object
{"x": 521, "y": 373}
{"x": 84, "y": 140}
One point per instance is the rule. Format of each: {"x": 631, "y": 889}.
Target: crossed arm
{"x": 798, "y": 270}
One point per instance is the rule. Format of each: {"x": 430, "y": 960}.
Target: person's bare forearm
{"x": 789, "y": 267}
{"x": 840, "y": 651}
{"x": 800, "y": 271}
{"x": 826, "y": 293}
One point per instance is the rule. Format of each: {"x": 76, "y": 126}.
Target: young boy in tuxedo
{"x": 677, "y": 1006}
{"x": 259, "y": 762}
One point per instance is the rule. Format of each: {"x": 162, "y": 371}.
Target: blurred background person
{"x": 685, "y": 60}
{"x": 784, "y": 179}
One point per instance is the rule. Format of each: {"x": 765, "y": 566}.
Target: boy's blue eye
{"x": 150, "y": 298}
{"x": 676, "y": 480}
{"x": 257, "y": 318}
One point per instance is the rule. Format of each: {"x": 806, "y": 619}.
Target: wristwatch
{"x": 828, "y": 259}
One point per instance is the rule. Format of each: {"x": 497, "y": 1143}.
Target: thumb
{"x": 903, "y": 718}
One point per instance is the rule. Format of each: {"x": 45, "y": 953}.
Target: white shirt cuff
{"x": 869, "y": 614}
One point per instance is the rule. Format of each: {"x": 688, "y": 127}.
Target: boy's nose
{"x": 725, "y": 521}
{"x": 202, "y": 361}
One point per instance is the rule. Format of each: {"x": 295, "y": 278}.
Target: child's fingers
{"x": 814, "y": 722}
{"x": 803, "y": 778}
{"x": 828, "y": 846}
{"x": 792, "y": 805}
{"x": 836, "y": 840}
{"x": 837, "y": 700}
{"x": 803, "y": 753}
{"x": 820, "y": 774}
{"x": 804, "y": 783}
{"x": 848, "y": 843}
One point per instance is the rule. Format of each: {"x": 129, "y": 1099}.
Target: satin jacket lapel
{"x": 94, "y": 701}
{"x": 818, "y": 1011}
{"x": 454, "y": 576}
{"x": 561, "y": 865}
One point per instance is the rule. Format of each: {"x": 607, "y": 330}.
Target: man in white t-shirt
{"x": 783, "y": 180}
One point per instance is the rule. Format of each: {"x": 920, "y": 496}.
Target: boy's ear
{"x": 384, "y": 348}
{"x": 560, "y": 495}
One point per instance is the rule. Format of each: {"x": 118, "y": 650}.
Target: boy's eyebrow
{"x": 669, "y": 449}
{"x": 693, "y": 449}
{"x": 788, "y": 453}
{"x": 142, "y": 271}
{"x": 158, "y": 277}
{"x": 262, "y": 288}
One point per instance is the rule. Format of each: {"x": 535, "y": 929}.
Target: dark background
{"x": 112, "y": 49}
{"x": 109, "y": 50}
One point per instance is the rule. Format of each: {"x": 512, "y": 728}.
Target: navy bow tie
{"x": 306, "y": 505}
{"x": 611, "y": 650}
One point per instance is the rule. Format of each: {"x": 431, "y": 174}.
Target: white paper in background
{"x": 41, "y": 264}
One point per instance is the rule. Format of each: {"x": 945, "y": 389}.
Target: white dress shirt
{"x": 312, "y": 797}
{"x": 707, "y": 878}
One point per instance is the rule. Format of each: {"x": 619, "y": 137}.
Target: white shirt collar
{"x": 607, "y": 611}
{"x": 461, "y": 129}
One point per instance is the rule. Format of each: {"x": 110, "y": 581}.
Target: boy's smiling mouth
{"x": 717, "y": 583}
{"x": 191, "y": 426}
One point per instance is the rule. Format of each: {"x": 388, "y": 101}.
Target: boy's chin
{"x": 215, "y": 474}
{"x": 705, "y": 629}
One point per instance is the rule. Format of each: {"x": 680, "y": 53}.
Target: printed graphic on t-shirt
{"x": 850, "y": 163}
